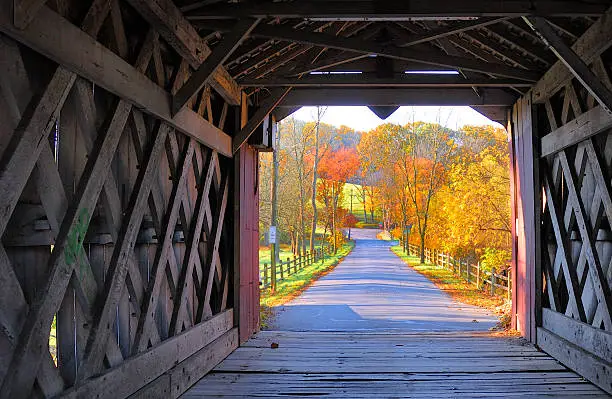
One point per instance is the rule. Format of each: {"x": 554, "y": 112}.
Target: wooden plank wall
{"x": 117, "y": 262}
{"x": 573, "y": 210}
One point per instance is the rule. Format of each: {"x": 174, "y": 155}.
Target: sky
{"x": 362, "y": 119}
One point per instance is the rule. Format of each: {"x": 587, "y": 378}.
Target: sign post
{"x": 272, "y": 242}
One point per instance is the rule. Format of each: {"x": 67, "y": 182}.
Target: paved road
{"x": 372, "y": 289}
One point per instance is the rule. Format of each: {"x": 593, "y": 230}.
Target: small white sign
{"x": 272, "y": 235}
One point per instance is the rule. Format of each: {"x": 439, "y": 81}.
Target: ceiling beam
{"x": 369, "y": 47}
{"x": 363, "y": 80}
{"x": 376, "y": 10}
{"x": 221, "y": 53}
{"x": 572, "y": 61}
{"x": 165, "y": 17}
{"x": 265, "y": 108}
{"x": 399, "y": 96}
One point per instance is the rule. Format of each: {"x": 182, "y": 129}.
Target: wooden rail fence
{"x": 290, "y": 266}
{"x": 471, "y": 273}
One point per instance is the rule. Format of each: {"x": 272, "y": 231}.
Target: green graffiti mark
{"x": 76, "y": 236}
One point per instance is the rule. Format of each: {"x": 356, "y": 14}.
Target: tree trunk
{"x": 302, "y": 241}
{"x": 334, "y": 237}
{"x": 365, "y": 212}
{"x": 313, "y": 201}
{"x": 422, "y": 249}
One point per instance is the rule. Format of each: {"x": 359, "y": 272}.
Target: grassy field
{"x": 264, "y": 254}
{"x": 295, "y": 284}
{"x": 457, "y": 287}
{"x": 357, "y": 204}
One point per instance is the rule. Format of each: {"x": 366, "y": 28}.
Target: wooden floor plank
{"x": 366, "y": 365}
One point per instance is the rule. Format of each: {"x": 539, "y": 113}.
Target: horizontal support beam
{"x": 401, "y": 97}
{"x": 584, "y": 126}
{"x": 587, "y": 337}
{"x": 360, "y": 80}
{"x": 64, "y": 43}
{"x": 140, "y": 370}
{"x": 594, "y": 369}
{"x": 369, "y": 47}
{"x": 376, "y": 10}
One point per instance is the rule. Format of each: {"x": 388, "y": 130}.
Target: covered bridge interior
{"x": 129, "y": 140}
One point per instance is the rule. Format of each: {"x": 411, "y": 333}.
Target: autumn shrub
{"x": 495, "y": 259}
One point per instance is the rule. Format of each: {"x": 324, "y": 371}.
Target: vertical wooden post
{"x": 526, "y": 200}
{"x": 468, "y": 272}
{"x": 265, "y": 274}
{"x": 478, "y": 275}
{"x": 509, "y": 286}
{"x": 295, "y": 262}
{"x": 492, "y": 282}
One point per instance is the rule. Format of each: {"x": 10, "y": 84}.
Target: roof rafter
{"x": 364, "y": 46}
{"x": 461, "y": 26}
{"x": 167, "y": 19}
{"x": 221, "y": 53}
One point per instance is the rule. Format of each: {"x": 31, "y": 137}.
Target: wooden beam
{"x": 375, "y": 10}
{"x": 118, "y": 266}
{"x": 584, "y": 126}
{"x": 408, "y": 97}
{"x": 38, "y": 118}
{"x": 222, "y": 52}
{"x": 593, "y": 368}
{"x": 193, "y": 239}
{"x": 369, "y": 47}
{"x": 58, "y": 39}
{"x": 366, "y": 80}
{"x": 342, "y": 58}
{"x": 453, "y": 29}
{"x": 572, "y": 61}
{"x": 24, "y": 11}
{"x": 596, "y": 40}
{"x": 143, "y": 368}
{"x": 266, "y": 107}
{"x": 165, "y": 17}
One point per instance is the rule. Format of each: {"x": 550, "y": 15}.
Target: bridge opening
{"x": 437, "y": 175}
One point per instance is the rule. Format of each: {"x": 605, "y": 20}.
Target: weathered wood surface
{"x": 104, "y": 192}
{"x": 576, "y": 144}
{"x": 362, "y": 365}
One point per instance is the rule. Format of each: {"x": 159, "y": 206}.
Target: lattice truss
{"x": 577, "y": 212}
{"x": 115, "y": 228}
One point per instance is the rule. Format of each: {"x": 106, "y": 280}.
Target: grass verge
{"x": 459, "y": 289}
{"x": 295, "y": 284}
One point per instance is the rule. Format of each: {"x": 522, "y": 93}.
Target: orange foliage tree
{"x": 335, "y": 168}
